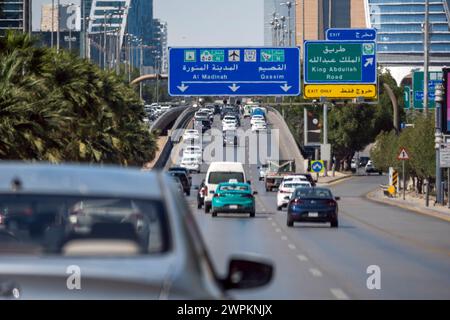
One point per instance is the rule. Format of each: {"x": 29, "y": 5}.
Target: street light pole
{"x": 288, "y": 4}
{"x": 425, "y": 58}
{"x": 438, "y": 140}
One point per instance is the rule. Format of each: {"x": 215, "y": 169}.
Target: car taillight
{"x": 1, "y": 218}
{"x": 297, "y": 201}
{"x": 216, "y": 195}
{"x": 205, "y": 190}
{"x": 283, "y": 191}
{"x": 331, "y": 203}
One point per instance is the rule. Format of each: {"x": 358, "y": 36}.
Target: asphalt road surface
{"x": 313, "y": 261}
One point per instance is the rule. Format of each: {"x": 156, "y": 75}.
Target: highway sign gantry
{"x": 337, "y": 63}
{"x": 234, "y": 71}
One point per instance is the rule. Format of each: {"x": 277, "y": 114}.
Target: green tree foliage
{"x": 58, "y": 107}
{"x": 419, "y": 142}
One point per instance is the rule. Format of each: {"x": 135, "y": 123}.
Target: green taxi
{"x": 233, "y": 197}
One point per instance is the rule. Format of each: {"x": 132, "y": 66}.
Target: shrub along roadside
{"x": 58, "y": 107}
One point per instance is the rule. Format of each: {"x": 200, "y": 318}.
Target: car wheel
{"x": 290, "y": 223}
{"x": 334, "y": 223}
{"x": 279, "y": 208}
{"x": 199, "y": 205}
{"x": 380, "y": 173}
{"x": 188, "y": 193}
{"x": 207, "y": 208}
{"x": 252, "y": 214}
{"x": 214, "y": 213}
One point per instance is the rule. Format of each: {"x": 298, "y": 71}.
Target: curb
{"x": 425, "y": 212}
{"x": 336, "y": 181}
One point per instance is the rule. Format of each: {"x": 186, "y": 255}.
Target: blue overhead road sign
{"x": 339, "y": 34}
{"x": 234, "y": 71}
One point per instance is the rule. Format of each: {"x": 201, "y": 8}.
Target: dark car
{"x": 201, "y": 116}
{"x": 184, "y": 180}
{"x": 230, "y": 138}
{"x": 227, "y": 110}
{"x": 181, "y": 169}
{"x": 128, "y": 231}
{"x": 201, "y": 195}
{"x": 313, "y": 205}
{"x": 204, "y": 125}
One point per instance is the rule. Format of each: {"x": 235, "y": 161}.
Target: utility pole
{"x": 53, "y": 23}
{"x": 58, "y": 30}
{"x": 425, "y": 58}
{"x": 330, "y": 4}
{"x": 104, "y": 42}
{"x": 438, "y": 140}
{"x": 141, "y": 63}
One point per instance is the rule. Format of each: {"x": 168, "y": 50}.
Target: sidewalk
{"x": 412, "y": 202}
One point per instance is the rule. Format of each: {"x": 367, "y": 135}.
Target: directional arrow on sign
{"x": 234, "y": 87}
{"x": 183, "y": 87}
{"x": 369, "y": 62}
{"x": 285, "y": 87}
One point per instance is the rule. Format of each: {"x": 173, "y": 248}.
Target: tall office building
{"x": 313, "y": 17}
{"x": 120, "y": 25}
{"x": 278, "y": 15}
{"x": 401, "y": 34}
{"x": 15, "y": 15}
{"x": 160, "y": 44}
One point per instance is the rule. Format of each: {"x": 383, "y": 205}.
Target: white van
{"x": 219, "y": 172}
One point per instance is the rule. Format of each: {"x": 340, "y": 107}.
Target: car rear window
{"x": 234, "y": 188}
{"x": 313, "y": 193}
{"x": 58, "y": 225}
{"x": 219, "y": 177}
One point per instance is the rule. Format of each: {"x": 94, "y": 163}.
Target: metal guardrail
{"x": 167, "y": 117}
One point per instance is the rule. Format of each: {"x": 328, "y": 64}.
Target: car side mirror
{"x": 337, "y": 198}
{"x": 246, "y": 273}
{"x": 255, "y": 192}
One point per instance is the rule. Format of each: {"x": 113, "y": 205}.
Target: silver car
{"x": 89, "y": 232}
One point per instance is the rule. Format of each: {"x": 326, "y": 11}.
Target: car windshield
{"x": 313, "y": 193}
{"x": 68, "y": 225}
{"x": 218, "y": 177}
{"x": 234, "y": 188}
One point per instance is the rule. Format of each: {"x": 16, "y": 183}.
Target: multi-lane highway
{"x": 314, "y": 261}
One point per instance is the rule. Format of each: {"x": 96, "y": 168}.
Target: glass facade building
{"x": 127, "y": 26}
{"x": 15, "y": 15}
{"x": 401, "y": 33}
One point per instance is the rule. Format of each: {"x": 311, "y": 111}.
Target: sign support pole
{"x": 448, "y": 188}
{"x": 404, "y": 179}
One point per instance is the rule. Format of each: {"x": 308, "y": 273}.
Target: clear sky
{"x": 201, "y": 22}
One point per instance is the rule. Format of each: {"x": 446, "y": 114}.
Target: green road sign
{"x": 212, "y": 55}
{"x": 407, "y": 96}
{"x": 334, "y": 62}
{"x": 434, "y": 77}
{"x": 272, "y": 55}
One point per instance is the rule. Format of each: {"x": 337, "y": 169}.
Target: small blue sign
{"x": 317, "y": 166}
{"x": 340, "y": 34}
{"x": 234, "y": 71}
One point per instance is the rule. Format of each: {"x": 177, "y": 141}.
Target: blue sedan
{"x": 313, "y": 205}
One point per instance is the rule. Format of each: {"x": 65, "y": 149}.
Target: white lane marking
{"x": 339, "y": 294}
{"x": 283, "y": 238}
{"x": 277, "y": 230}
{"x": 274, "y": 224}
{"x": 302, "y": 257}
{"x": 315, "y": 272}
{"x": 291, "y": 246}
{"x": 270, "y": 219}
